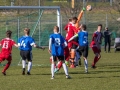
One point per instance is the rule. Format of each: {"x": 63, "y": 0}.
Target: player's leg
{"x": 58, "y": 66}
{"x": 22, "y": 54}
{"x": 105, "y": 46}
{"x": 77, "y": 58}
{"x": 9, "y": 59}
{"x": 67, "y": 55}
{"x": 85, "y": 55}
{"x": 29, "y": 58}
{"x": 61, "y": 58}
{"x": 72, "y": 57}
{"x": 53, "y": 66}
{"x": 109, "y": 44}
{"x": 97, "y": 56}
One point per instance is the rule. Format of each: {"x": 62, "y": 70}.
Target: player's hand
{"x": 49, "y": 51}
{"x": 84, "y": 9}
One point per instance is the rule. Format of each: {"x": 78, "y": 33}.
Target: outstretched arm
{"x": 36, "y": 46}
{"x": 50, "y": 44}
{"x": 79, "y": 17}
{"x": 73, "y": 37}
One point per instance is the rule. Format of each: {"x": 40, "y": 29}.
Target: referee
{"x": 107, "y": 39}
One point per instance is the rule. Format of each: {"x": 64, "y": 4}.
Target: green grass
{"x": 105, "y": 77}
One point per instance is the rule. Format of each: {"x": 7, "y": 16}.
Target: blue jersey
{"x": 25, "y": 43}
{"x": 83, "y": 38}
{"x": 57, "y": 45}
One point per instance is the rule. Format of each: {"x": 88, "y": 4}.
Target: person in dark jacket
{"x": 107, "y": 39}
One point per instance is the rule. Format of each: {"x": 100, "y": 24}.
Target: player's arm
{"x": 39, "y": 47}
{"x": 73, "y": 37}
{"x": 79, "y": 17}
{"x": 50, "y": 44}
{"x": 16, "y": 45}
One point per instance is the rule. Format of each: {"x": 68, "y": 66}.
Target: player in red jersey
{"x": 96, "y": 44}
{"x": 5, "y": 53}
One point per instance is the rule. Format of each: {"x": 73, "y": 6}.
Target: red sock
{"x": 95, "y": 61}
{"x": 67, "y": 54}
{"x": 98, "y": 58}
{"x": 6, "y": 66}
{"x": 59, "y": 64}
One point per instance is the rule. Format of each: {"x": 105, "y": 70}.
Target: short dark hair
{"x": 70, "y": 19}
{"x": 100, "y": 25}
{"x": 57, "y": 28}
{"x": 74, "y": 18}
{"x": 8, "y": 33}
{"x": 84, "y": 26}
{"x": 27, "y": 30}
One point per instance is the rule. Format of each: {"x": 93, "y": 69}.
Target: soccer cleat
{"x": 28, "y": 73}
{"x": 52, "y": 77}
{"x": 94, "y": 67}
{"x": 56, "y": 70}
{"x": 4, "y": 73}
{"x": 68, "y": 77}
{"x": 23, "y": 73}
{"x": 86, "y": 70}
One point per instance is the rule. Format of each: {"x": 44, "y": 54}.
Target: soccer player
{"x": 5, "y": 53}
{"x": 56, "y": 47}
{"x": 25, "y": 45}
{"x": 83, "y": 44}
{"x": 96, "y": 44}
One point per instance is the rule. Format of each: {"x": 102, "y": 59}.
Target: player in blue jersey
{"x": 56, "y": 47}
{"x": 83, "y": 44}
{"x": 25, "y": 44}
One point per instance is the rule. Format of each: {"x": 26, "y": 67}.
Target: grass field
{"x": 105, "y": 77}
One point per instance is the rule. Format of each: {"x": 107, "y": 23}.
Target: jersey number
{"x": 57, "y": 42}
{"x": 85, "y": 40}
{"x": 5, "y": 44}
{"x": 23, "y": 44}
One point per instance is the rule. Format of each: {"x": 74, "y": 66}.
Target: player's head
{"x": 26, "y": 31}
{"x": 56, "y": 29}
{"x": 83, "y": 27}
{"x": 8, "y": 33}
{"x": 70, "y": 19}
{"x": 99, "y": 27}
{"x": 106, "y": 28}
{"x": 74, "y": 20}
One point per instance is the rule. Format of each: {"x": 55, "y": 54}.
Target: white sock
{"x": 52, "y": 69}
{"x": 65, "y": 68}
{"x": 29, "y": 66}
{"x": 86, "y": 64}
{"x": 23, "y": 63}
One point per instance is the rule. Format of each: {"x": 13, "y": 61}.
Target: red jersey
{"x": 97, "y": 37}
{"x": 7, "y": 44}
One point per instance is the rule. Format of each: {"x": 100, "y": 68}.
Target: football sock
{"x": 95, "y": 61}
{"x": 6, "y": 66}
{"x": 86, "y": 64}
{"x": 59, "y": 65}
{"x": 23, "y": 63}
{"x": 52, "y": 69}
{"x": 65, "y": 68}
{"x": 29, "y": 66}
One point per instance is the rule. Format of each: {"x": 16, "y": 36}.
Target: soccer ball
{"x": 89, "y": 7}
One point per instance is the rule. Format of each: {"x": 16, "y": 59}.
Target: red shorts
{"x": 96, "y": 50}
{"x": 7, "y": 57}
{"x": 70, "y": 45}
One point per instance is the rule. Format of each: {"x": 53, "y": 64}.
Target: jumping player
{"x": 25, "y": 45}
{"x": 5, "y": 53}
{"x": 96, "y": 44}
{"x": 83, "y": 44}
{"x": 56, "y": 47}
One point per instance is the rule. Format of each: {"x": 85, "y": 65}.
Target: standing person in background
{"x": 107, "y": 39}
